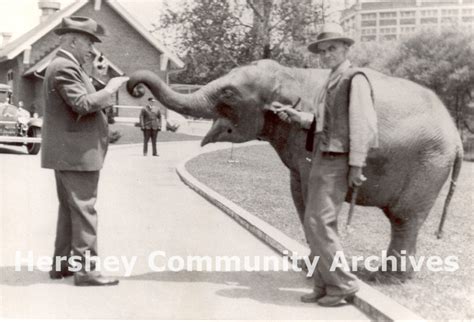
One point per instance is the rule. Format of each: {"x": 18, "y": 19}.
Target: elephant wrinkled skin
{"x": 418, "y": 141}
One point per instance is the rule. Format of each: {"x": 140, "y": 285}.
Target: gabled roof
{"x": 41, "y": 66}
{"x": 17, "y": 46}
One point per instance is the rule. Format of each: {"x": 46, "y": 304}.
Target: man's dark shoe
{"x": 334, "y": 300}
{"x": 156, "y": 155}
{"x": 314, "y": 296}
{"x": 57, "y": 275}
{"x": 92, "y": 279}
{"x": 300, "y": 262}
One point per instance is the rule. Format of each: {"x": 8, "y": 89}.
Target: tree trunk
{"x": 262, "y": 10}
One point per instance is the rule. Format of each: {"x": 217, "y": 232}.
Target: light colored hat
{"x": 330, "y": 31}
{"x": 83, "y": 25}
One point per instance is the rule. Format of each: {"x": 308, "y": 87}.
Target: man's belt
{"x": 334, "y": 154}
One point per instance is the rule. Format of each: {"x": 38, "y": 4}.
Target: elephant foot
{"x": 385, "y": 277}
{"x": 392, "y": 278}
{"x": 300, "y": 263}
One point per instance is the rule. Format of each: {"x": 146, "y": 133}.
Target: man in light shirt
{"x": 344, "y": 129}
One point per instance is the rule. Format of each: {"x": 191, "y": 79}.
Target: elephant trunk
{"x": 198, "y": 104}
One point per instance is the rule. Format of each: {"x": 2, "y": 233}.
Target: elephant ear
{"x": 287, "y": 90}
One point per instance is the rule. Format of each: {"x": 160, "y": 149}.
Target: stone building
{"x": 389, "y": 20}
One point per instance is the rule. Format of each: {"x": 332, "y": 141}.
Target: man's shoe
{"x": 94, "y": 280}
{"x": 333, "y": 300}
{"x": 156, "y": 155}
{"x": 313, "y": 297}
{"x": 300, "y": 262}
{"x": 57, "y": 275}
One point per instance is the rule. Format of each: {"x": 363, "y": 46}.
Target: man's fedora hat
{"x": 83, "y": 25}
{"x": 329, "y": 31}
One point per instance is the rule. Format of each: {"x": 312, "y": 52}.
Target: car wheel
{"x": 33, "y": 148}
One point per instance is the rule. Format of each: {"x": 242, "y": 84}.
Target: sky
{"x": 19, "y": 16}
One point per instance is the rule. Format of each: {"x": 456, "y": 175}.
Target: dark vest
{"x": 335, "y": 135}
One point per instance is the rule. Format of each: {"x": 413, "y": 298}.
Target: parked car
{"x": 17, "y": 127}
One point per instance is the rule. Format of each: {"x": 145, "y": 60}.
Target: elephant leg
{"x": 298, "y": 192}
{"x": 407, "y": 215}
{"x": 405, "y": 227}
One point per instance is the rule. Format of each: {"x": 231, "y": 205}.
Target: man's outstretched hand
{"x": 114, "y": 83}
{"x": 288, "y": 114}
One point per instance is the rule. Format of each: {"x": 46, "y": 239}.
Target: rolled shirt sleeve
{"x": 363, "y": 133}
{"x": 307, "y": 118}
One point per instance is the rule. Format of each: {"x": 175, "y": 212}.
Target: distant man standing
{"x": 150, "y": 123}
{"x": 344, "y": 128}
{"x": 75, "y": 140}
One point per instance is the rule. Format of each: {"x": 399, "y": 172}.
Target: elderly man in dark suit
{"x": 75, "y": 139}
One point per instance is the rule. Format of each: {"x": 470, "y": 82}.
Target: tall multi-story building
{"x": 389, "y": 20}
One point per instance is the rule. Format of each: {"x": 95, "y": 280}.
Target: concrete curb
{"x": 370, "y": 301}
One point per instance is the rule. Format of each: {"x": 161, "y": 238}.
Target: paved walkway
{"x": 143, "y": 208}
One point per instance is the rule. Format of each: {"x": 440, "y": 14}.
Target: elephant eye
{"x": 226, "y": 111}
{"x": 227, "y": 93}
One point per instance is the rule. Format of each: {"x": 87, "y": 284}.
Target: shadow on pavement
{"x": 10, "y": 277}
{"x": 12, "y": 150}
{"x": 281, "y": 288}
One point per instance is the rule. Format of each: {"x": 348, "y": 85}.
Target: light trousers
{"x": 327, "y": 188}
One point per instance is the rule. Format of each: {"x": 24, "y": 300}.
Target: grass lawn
{"x": 131, "y": 134}
{"x": 259, "y": 182}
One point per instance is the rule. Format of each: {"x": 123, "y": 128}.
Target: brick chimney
{"x": 48, "y": 8}
{"x": 6, "y": 36}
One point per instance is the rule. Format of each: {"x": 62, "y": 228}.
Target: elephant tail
{"x": 454, "y": 177}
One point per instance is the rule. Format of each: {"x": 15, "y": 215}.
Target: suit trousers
{"x": 147, "y": 134}
{"x": 76, "y": 230}
{"x": 328, "y": 185}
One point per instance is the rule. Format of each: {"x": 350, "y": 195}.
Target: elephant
{"x": 419, "y": 144}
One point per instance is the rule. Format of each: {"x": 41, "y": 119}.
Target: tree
{"x": 219, "y": 35}
{"x": 443, "y": 62}
{"x": 372, "y": 54}
{"x": 203, "y": 32}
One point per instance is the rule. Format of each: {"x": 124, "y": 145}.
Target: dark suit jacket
{"x": 75, "y": 130}
{"x": 150, "y": 118}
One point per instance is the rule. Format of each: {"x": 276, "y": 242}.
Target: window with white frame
{"x": 407, "y": 29}
{"x": 407, "y": 14}
{"x": 392, "y": 30}
{"x": 449, "y": 12}
{"x": 467, "y": 12}
{"x": 391, "y": 14}
{"x": 369, "y": 31}
{"x": 429, "y": 13}
{"x": 368, "y": 16}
